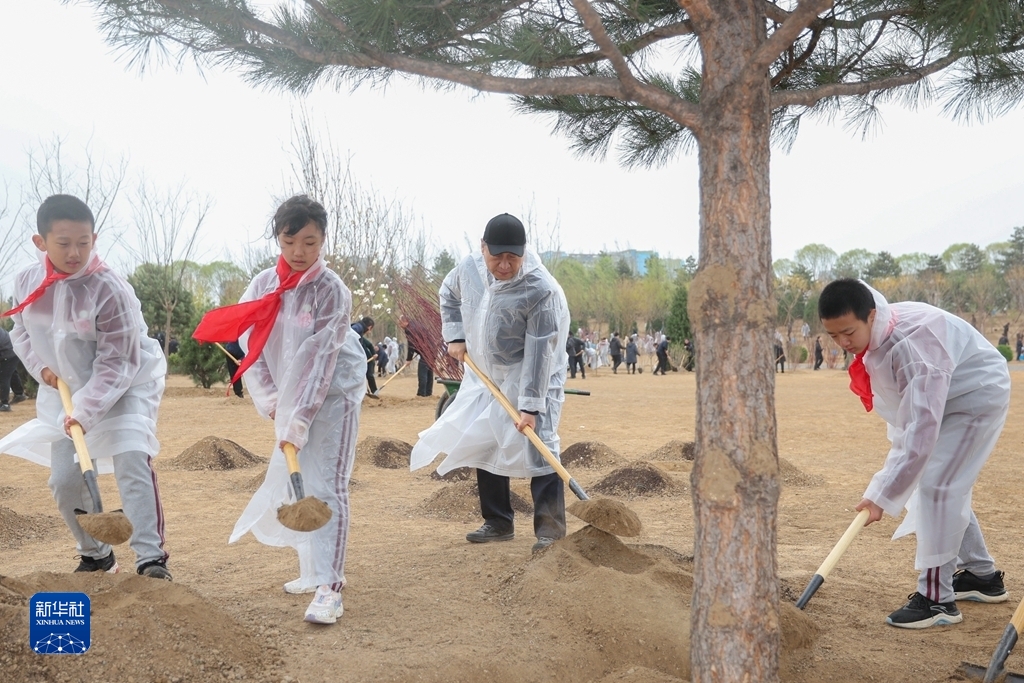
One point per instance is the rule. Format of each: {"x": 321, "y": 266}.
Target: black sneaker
{"x": 18, "y": 398}
{"x": 970, "y": 586}
{"x": 157, "y": 569}
{"x": 488, "y": 533}
{"x": 921, "y": 612}
{"x": 105, "y": 564}
{"x": 5, "y": 408}
{"x": 542, "y": 543}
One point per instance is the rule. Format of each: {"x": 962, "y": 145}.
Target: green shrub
{"x": 204, "y": 363}
{"x": 1006, "y": 351}
{"x": 802, "y": 354}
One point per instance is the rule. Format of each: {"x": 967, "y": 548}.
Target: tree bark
{"x": 735, "y": 617}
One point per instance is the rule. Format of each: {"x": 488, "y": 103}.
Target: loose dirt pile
{"x": 590, "y": 455}
{"x": 461, "y": 501}
{"x": 638, "y": 479}
{"x": 791, "y": 476}
{"x": 626, "y": 608}
{"x": 253, "y": 484}
{"x": 215, "y": 453}
{"x": 675, "y": 450}
{"x": 388, "y": 454}
{"x": 142, "y": 630}
{"x": 458, "y": 474}
{"x": 16, "y": 529}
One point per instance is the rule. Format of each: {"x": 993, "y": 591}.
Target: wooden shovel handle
{"x": 291, "y": 456}
{"x": 514, "y": 414}
{"x": 77, "y": 433}
{"x": 844, "y": 542}
{"x": 227, "y": 353}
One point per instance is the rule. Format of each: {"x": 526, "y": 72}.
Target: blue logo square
{"x": 59, "y": 623}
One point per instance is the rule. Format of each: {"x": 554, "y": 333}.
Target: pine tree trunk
{"x": 735, "y": 618}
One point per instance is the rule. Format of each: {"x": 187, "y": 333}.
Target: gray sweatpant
{"x": 936, "y": 583}
{"x": 140, "y": 498}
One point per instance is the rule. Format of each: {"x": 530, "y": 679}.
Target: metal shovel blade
{"x": 979, "y": 673}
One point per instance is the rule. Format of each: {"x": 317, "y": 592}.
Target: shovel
{"x": 605, "y": 514}
{"x": 995, "y": 671}
{"x": 306, "y": 513}
{"x": 112, "y": 528}
{"x": 833, "y": 558}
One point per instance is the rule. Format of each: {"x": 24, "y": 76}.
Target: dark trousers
{"x": 576, "y": 362}
{"x": 818, "y": 360}
{"x": 616, "y": 362}
{"x": 232, "y": 369}
{"x": 631, "y": 368}
{"x": 548, "y": 503}
{"x": 369, "y": 378}
{"x": 9, "y": 379}
{"x": 425, "y": 379}
{"x": 662, "y": 364}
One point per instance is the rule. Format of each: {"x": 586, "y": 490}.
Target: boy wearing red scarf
{"x": 945, "y": 391}
{"x": 80, "y": 321}
{"x": 305, "y": 370}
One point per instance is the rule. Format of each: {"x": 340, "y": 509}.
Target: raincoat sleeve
{"x": 118, "y": 358}
{"x": 311, "y": 371}
{"x": 542, "y": 340}
{"x": 19, "y": 335}
{"x": 258, "y": 380}
{"x": 451, "y": 306}
{"x": 924, "y": 385}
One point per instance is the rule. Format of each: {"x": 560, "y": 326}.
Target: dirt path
{"x": 424, "y": 605}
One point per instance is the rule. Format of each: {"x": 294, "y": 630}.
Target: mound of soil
{"x": 675, "y": 450}
{"x": 461, "y": 501}
{"x": 142, "y": 630}
{"x": 590, "y": 454}
{"x": 215, "y": 453}
{"x": 16, "y": 529}
{"x": 791, "y": 476}
{"x": 388, "y": 454}
{"x": 643, "y": 637}
{"x": 458, "y": 474}
{"x": 638, "y": 479}
{"x": 257, "y": 481}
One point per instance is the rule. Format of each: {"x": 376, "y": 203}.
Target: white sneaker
{"x": 296, "y": 587}
{"x": 326, "y": 606}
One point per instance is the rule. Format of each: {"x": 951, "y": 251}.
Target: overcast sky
{"x": 457, "y": 158}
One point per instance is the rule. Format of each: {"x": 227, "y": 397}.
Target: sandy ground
{"x": 424, "y": 605}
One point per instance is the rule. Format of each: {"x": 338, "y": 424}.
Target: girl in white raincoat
{"x": 515, "y": 330}
{"x": 945, "y": 391}
{"x": 310, "y": 379}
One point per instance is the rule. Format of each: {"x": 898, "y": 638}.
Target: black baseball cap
{"x": 505, "y": 233}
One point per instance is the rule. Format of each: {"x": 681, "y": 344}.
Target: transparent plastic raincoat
{"x": 515, "y": 330}
{"x": 311, "y": 377}
{"x": 88, "y": 329}
{"x": 945, "y": 391}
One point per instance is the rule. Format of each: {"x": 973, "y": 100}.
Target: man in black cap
{"x": 505, "y": 310}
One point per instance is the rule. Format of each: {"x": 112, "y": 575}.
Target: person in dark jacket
{"x": 363, "y": 328}
{"x": 631, "y": 356}
{"x": 237, "y": 354}
{"x": 819, "y": 353}
{"x": 615, "y": 351}
{"x": 424, "y": 373}
{"x": 662, "y": 353}
{"x": 9, "y": 378}
{"x": 574, "y": 346}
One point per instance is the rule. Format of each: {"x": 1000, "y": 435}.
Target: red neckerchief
{"x": 860, "y": 381}
{"x": 52, "y": 275}
{"x": 226, "y": 324}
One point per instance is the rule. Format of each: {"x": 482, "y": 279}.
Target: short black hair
{"x": 845, "y": 296}
{"x": 62, "y": 207}
{"x": 367, "y": 322}
{"x": 296, "y": 213}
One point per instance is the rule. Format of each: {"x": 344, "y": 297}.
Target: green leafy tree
{"x": 204, "y": 363}
{"x": 444, "y": 263}
{"x": 654, "y": 77}
{"x": 1012, "y": 255}
{"x": 818, "y": 260}
{"x": 166, "y": 304}
{"x": 965, "y": 257}
{"x": 884, "y": 266}
{"x": 854, "y": 263}
{"x": 677, "y": 325}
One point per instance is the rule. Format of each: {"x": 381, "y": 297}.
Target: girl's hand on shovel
{"x": 70, "y": 422}
{"x": 874, "y": 512}
{"x": 48, "y": 377}
{"x": 285, "y": 443}
{"x": 526, "y": 420}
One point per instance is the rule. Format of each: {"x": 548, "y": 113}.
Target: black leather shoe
{"x": 542, "y": 542}
{"x": 488, "y": 533}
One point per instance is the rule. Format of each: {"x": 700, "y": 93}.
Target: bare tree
{"x": 166, "y": 239}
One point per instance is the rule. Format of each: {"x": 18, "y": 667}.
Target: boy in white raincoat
{"x": 945, "y": 391}
{"x": 506, "y": 311}
{"x": 80, "y": 321}
{"x": 305, "y": 370}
